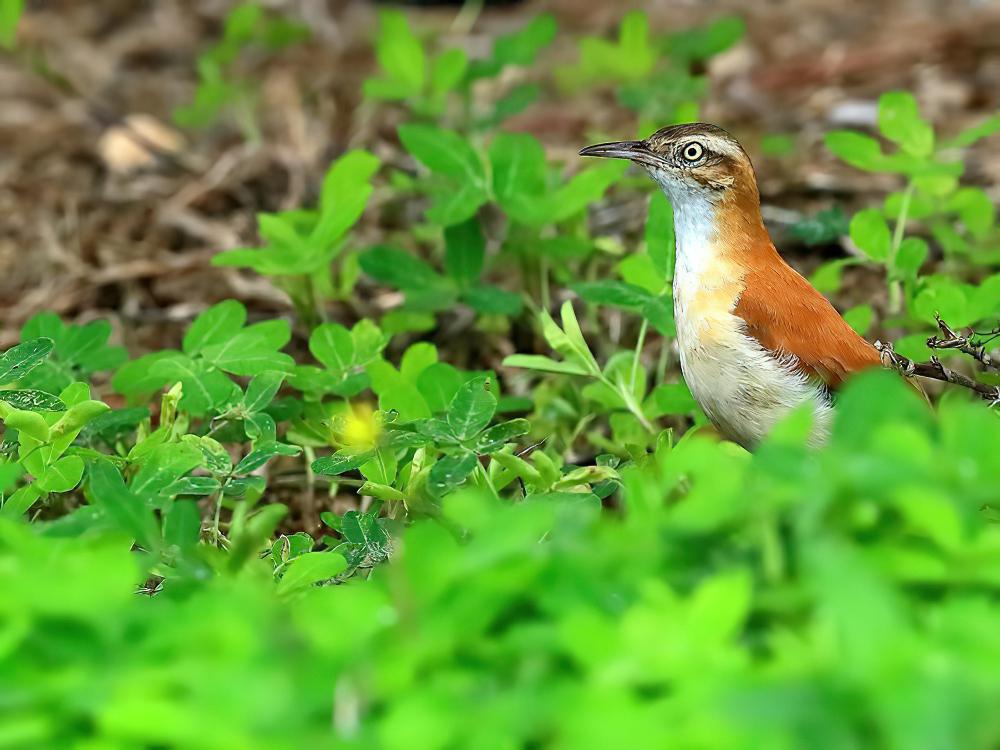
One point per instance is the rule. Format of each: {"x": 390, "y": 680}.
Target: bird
{"x": 756, "y": 340}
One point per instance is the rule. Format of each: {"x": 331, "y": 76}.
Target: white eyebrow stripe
{"x": 721, "y": 146}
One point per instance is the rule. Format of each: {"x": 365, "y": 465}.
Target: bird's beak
{"x": 636, "y": 151}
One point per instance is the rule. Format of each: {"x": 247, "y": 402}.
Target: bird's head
{"x": 692, "y": 162}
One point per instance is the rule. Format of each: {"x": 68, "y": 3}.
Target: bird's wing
{"x": 786, "y": 315}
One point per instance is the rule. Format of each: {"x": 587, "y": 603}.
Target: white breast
{"x": 742, "y": 387}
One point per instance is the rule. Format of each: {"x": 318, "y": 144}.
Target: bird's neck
{"x": 726, "y": 228}
{"x": 719, "y": 238}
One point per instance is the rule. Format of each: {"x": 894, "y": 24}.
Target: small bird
{"x": 756, "y": 340}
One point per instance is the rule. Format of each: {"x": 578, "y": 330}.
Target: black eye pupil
{"x": 692, "y": 152}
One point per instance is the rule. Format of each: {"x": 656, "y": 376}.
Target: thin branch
{"x": 950, "y": 339}
{"x": 936, "y": 371}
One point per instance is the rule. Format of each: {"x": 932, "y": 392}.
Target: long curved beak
{"x": 636, "y": 151}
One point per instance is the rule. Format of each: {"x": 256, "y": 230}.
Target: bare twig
{"x": 950, "y": 339}
{"x": 936, "y": 371}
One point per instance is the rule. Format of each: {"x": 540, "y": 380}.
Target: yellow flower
{"x": 359, "y": 428}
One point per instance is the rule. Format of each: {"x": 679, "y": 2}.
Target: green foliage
{"x": 551, "y": 542}
{"x": 961, "y": 219}
{"x": 521, "y": 183}
{"x": 10, "y": 15}
{"x": 427, "y": 82}
{"x": 40, "y": 429}
{"x": 654, "y": 73}
{"x": 796, "y": 598}
{"x": 301, "y": 245}
{"x": 428, "y": 290}
{"x": 79, "y": 352}
{"x": 826, "y": 226}
{"x": 409, "y": 73}
{"x": 220, "y": 90}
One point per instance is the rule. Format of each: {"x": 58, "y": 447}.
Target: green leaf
{"x": 522, "y": 47}
{"x": 107, "y": 490}
{"x": 400, "y": 53}
{"x": 32, "y": 400}
{"x": 18, "y": 361}
{"x": 381, "y": 468}
{"x": 287, "y": 548}
{"x": 826, "y": 226}
{"x": 113, "y": 424}
{"x": 614, "y": 293}
{"x": 512, "y": 103}
{"x": 967, "y": 137}
{"x": 62, "y": 475}
{"x": 974, "y": 208}
{"x": 164, "y": 465}
{"x": 182, "y": 524}
{"x": 438, "y": 384}
{"x": 279, "y": 230}
{"x": 945, "y": 296}
{"x": 911, "y": 255}
{"x": 450, "y": 471}
{"x": 543, "y": 364}
{"x": 574, "y": 336}
{"x": 861, "y": 151}
{"x": 253, "y": 350}
{"x": 860, "y": 318}
{"x": 140, "y": 376}
{"x": 364, "y": 532}
{"x": 703, "y": 42}
{"x": 340, "y": 462}
{"x": 368, "y": 340}
{"x": 332, "y": 345}
{"x": 443, "y": 152}
{"x": 28, "y": 422}
{"x": 660, "y": 235}
{"x": 262, "y": 454}
{"x": 465, "y": 251}
{"x": 398, "y": 268}
{"x": 583, "y": 189}
{"x": 343, "y": 198}
{"x": 670, "y": 398}
{"x": 471, "y": 409}
{"x": 870, "y": 233}
{"x": 417, "y": 358}
{"x": 10, "y": 14}
{"x": 491, "y": 300}
{"x": 216, "y": 325}
{"x": 204, "y": 387}
{"x": 261, "y": 390}
{"x": 192, "y": 486}
{"x": 448, "y": 70}
{"x": 518, "y": 162}
{"x": 827, "y": 276}
{"x": 899, "y": 120}
{"x": 494, "y": 438}
{"x": 638, "y": 269}
{"x": 452, "y": 206}
{"x": 250, "y": 537}
{"x": 660, "y": 314}
{"x": 633, "y": 43}
{"x": 310, "y": 568}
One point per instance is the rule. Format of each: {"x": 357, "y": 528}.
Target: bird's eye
{"x": 693, "y": 151}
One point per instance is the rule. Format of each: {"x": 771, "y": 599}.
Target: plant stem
{"x": 627, "y": 396}
{"x": 662, "y": 361}
{"x": 467, "y": 16}
{"x": 895, "y": 285}
{"x": 216, "y": 534}
{"x": 643, "y": 327}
